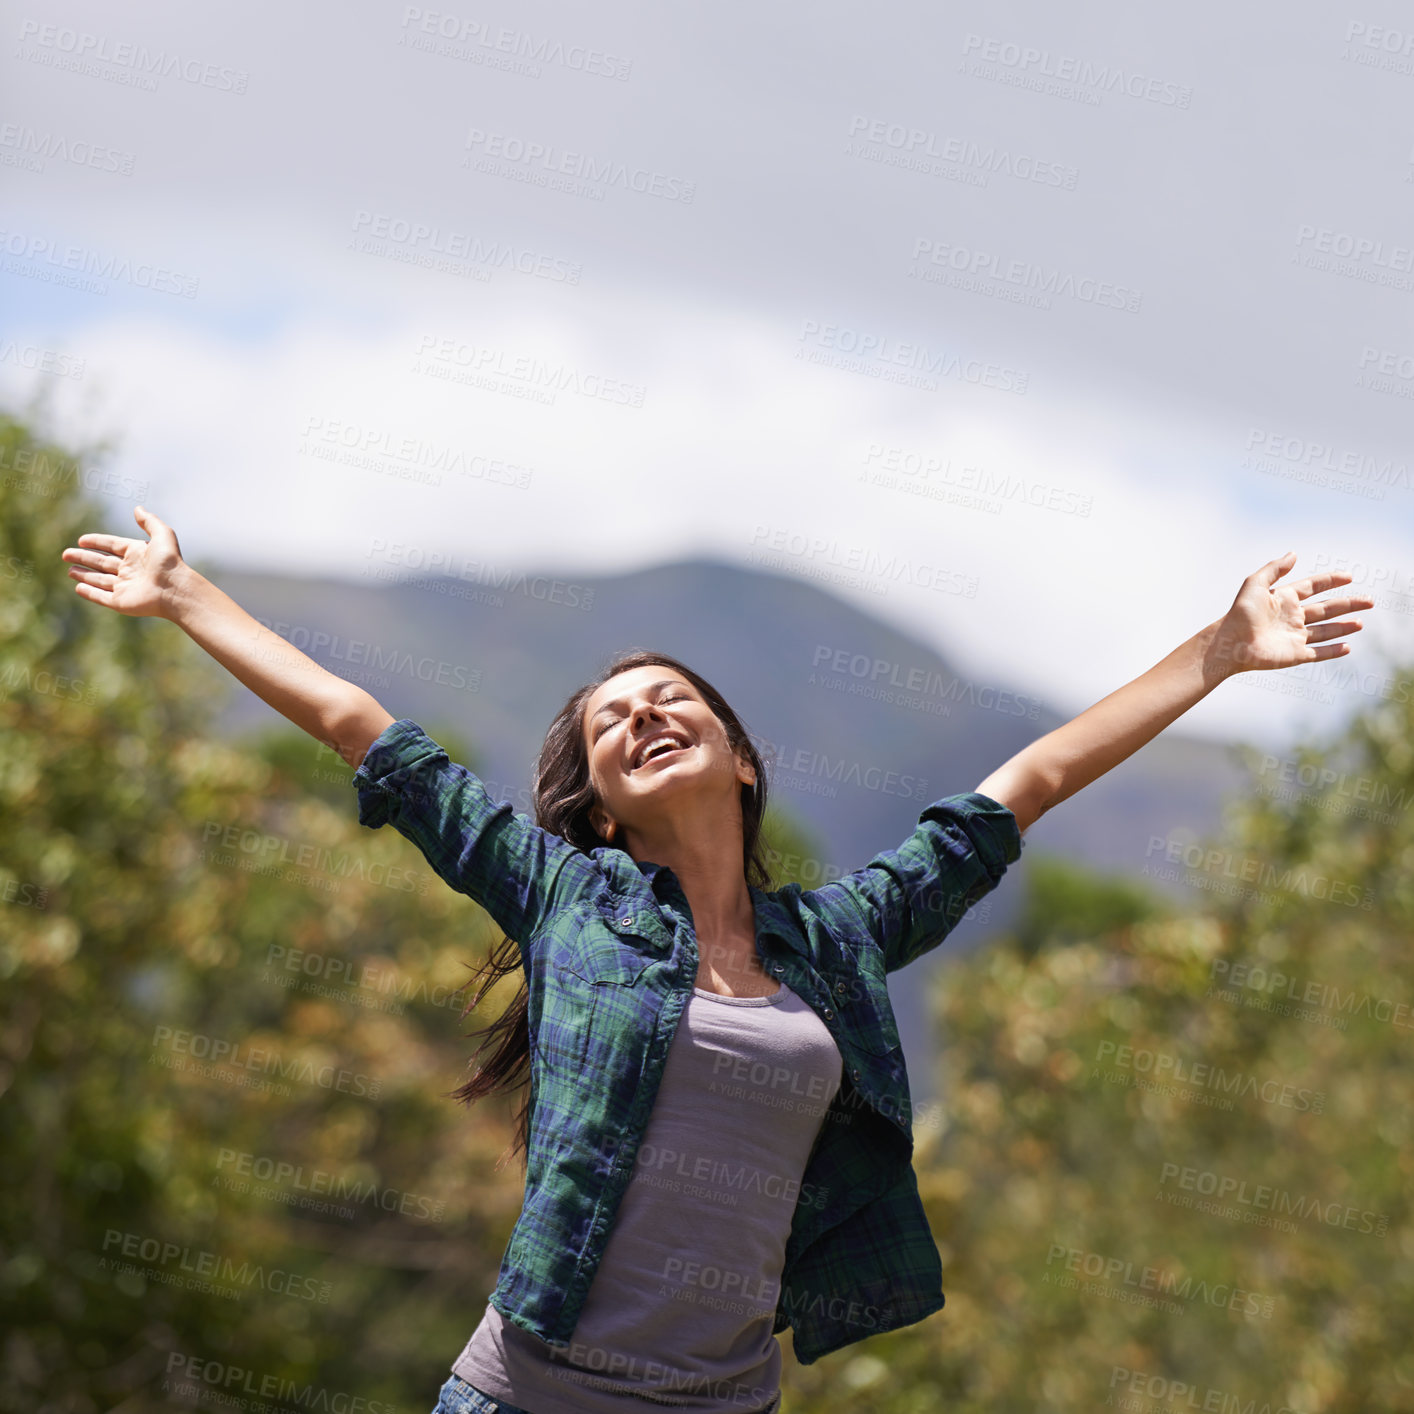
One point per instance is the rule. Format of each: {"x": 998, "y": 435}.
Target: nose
{"x": 645, "y": 711}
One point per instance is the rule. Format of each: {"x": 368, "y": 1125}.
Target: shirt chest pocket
{"x": 598, "y": 956}
{"x": 589, "y": 995}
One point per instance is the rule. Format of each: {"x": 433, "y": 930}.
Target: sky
{"x": 1033, "y": 333}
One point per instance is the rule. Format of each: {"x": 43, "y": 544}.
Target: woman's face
{"x": 655, "y": 745}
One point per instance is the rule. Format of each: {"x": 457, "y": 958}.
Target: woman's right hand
{"x": 149, "y": 579}
{"x": 136, "y": 577}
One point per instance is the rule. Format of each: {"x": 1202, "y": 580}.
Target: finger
{"x": 1318, "y": 633}
{"x": 1317, "y": 584}
{"x": 157, "y": 529}
{"x": 93, "y": 577}
{"x": 94, "y": 559}
{"x": 1328, "y": 650}
{"x": 95, "y": 596}
{"x": 114, "y": 544}
{"x": 1273, "y": 570}
{"x": 1334, "y": 608}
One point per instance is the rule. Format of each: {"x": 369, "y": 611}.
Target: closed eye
{"x": 678, "y": 697}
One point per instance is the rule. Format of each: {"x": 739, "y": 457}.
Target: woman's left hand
{"x": 1273, "y": 625}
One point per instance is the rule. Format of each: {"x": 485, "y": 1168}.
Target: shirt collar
{"x": 772, "y": 917}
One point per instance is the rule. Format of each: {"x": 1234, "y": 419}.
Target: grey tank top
{"x": 680, "y": 1311}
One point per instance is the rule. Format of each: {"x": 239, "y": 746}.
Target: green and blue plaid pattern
{"x": 610, "y": 957}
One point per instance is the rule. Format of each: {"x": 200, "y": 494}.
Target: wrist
{"x": 1218, "y": 655}
{"x": 180, "y": 592}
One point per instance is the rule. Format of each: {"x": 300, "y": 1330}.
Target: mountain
{"x": 489, "y": 662}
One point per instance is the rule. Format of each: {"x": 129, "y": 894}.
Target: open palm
{"x": 134, "y": 577}
{"x": 1273, "y": 625}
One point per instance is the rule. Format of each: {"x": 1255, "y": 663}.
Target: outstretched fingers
{"x": 157, "y": 529}
{"x": 1318, "y": 633}
{"x": 1334, "y": 608}
{"x": 113, "y": 544}
{"x": 94, "y": 559}
{"x": 94, "y": 595}
{"x": 99, "y": 579}
{"x": 1317, "y": 584}
{"x": 1273, "y": 570}
{"x": 94, "y": 542}
{"x": 1319, "y": 653}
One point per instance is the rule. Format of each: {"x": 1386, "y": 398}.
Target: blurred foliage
{"x": 164, "y": 892}
{"x": 1080, "y": 1272}
{"x": 1064, "y": 904}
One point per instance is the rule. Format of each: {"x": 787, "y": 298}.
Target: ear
{"x": 604, "y": 826}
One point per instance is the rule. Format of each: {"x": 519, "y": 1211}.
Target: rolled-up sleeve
{"x": 519, "y": 873}
{"x": 910, "y": 898}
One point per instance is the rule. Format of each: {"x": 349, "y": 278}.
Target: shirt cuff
{"x": 382, "y": 774}
{"x": 992, "y": 828}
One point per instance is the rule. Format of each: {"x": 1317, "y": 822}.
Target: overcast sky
{"x": 1031, "y": 332}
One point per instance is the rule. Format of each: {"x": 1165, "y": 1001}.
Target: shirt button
{"x": 626, "y": 922}
{"x": 841, "y": 988}
{"x": 854, "y": 1074}
{"x": 778, "y": 967}
{"x": 828, "y": 1013}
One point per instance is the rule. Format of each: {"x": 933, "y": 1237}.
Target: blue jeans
{"x": 459, "y": 1397}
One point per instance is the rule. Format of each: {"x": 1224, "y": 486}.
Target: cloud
{"x": 1031, "y": 337}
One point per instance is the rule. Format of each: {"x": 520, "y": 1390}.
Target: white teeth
{"x": 658, "y": 746}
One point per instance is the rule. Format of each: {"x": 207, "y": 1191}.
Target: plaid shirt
{"x": 610, "y": 957}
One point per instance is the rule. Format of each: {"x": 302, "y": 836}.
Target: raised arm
{"x": 518, "y": 872}
{"x": 149, "y": 579}
{"x": 1268, "y": 626}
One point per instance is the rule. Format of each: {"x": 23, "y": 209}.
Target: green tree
{"x": 1175, "y": 1164}
{"x": 1065, "y": 903}
{"x": 228, "y": 1027}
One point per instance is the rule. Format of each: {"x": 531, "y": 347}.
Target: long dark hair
{"x": 564, "y": 797}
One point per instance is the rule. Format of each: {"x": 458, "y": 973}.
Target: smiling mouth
{"x": 661, "y": 755}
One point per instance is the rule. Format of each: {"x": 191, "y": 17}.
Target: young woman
{"x": 717, "y": 1128}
